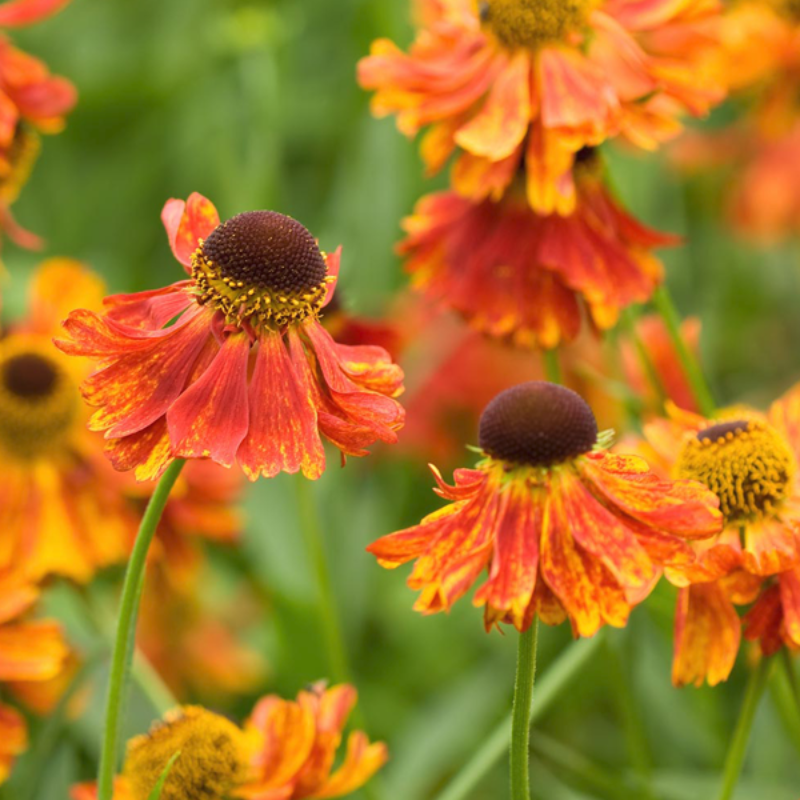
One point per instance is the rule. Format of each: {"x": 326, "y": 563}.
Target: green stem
{"x": 126, "y": 630}
{"x": 741, "y": 735}
{"x": 568, "y": 666}
{"x": 629, "y": 325}
{"x": 702, "y": 394}
{"x": 552, "y": 367}
{"x": 521, "y": 713}
{"x": 329, "y": 617}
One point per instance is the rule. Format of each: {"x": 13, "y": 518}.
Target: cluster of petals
{"x": 199, "y": 387}
{"x": 31, "y": 99}
{"x": 584, "y": 539}
{"x": 62, "y": 509}
{"x": 291, "y": 747}
{"x": 630, "y": 68}
{"x": 753, "y": 561}
{"x": 515, "y": 274}
{"x": 32, "y": 653}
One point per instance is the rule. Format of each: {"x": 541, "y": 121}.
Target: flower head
{"x": 297, "y": 744}
{"x": 245, "y": 373}
{"x": 512, "y": 83}
{"x": 515, "y": 274}
{"x": 33, "y": 100}
{"x": 59, "y": 511}
{"x": 212, "y": 758}
{"x": 285, "y": 752}
{"x": 564, "y": 527}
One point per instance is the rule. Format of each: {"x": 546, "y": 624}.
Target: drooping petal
{"x": 13, "y": 739}
{"x": 210, "y": 419}
{"x": 707, "y": 636}
{"x": 17, "y": 13}
{"x": 771, "y": 546}
{"x": 361, "y": 762}
{"x": 283, "y": 435}
{"x": 31, "y": 651}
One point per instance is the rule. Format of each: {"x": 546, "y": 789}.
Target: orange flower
{"x": 192, "y": 633}
{"x": 59, "y": 511}
{"x": 246, "y": 373}
{"x": 749, "y": 460}
{"x": 31, "y": 99}
{"x": 564, "y": 527}
{"x": 512, "y": 273}
{"x": 286, "y": 752}
{"x": 297, "y": 744}
{"x": 534, "y": 81}
{"x": 30, "y": 652}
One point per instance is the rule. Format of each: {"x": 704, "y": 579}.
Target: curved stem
{"x": 126, "y": 630}
{"x": 521, "y": 713}
{"x": 312, "y": 535}
{"x": 700, "y": 390}
{"x": 741, "y": 735}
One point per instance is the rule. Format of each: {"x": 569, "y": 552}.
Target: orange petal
{"x": 24, "y": 12}
{"x": 362, "y": 761}
{"x": 210, "y": 419}
{"x": 500, "y": 126}
{"x": 283, "y": 434}
{"x": 31, "y": 651}
{"x": 707, "y": 636}
{"x": 771, "y": 546}
{"x": 188, "y": 222}
{"x": 13, "y": 739}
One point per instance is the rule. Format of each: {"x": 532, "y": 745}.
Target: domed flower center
{"x": 211, "y": 764}
{"x": 538, "y": 424}
{"x": 38, "y": 401}
{"x": 262, "y": 267}
{"x": 532, "y": 23}
{"x": 746, "y": 463}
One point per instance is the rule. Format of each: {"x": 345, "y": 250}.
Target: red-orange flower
{"x": 30, "y": 652}
{"x": 749, "y": 460}
{"x": 564, "y": 527}
{"x": 31, "y": 100}
{"x": 514, "y": 274}
{"x": 509, "y": 82}
{"x": 61, "y": 508}
{"x": 297, "y": 744}
{"x": 286, "y": 752}
{"x": 245, "y": 372}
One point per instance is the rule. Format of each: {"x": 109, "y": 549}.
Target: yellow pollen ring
{"x": 34, "y": 423}
{"x": 260, "y": 306}
{"x": 746, "y": 463}
{"x": 533, "y": 23}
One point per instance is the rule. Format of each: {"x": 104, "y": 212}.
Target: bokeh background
{"x": 255, "y": 105}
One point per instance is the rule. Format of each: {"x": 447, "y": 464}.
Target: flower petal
{"x": 210, "y": 419}
{"x": 188, "y": 222}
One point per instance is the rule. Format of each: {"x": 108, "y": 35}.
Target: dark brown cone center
{"x": 267, "y": 250}
{"x": 538, "y": 424}
{"x": 716, "y": 433}
{"x": 30, "y": 376}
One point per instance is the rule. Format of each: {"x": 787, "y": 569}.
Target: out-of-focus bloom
{"x": 564, "y": 527}
{"x": 765, "y": 202}
{"x": 61, "y": 510}
{"x": 30, "y": 652}
{"x": 194, "y": 641}
{"x": 749, "y": 460}
{"x": 297, "y": 743}
{"x": 514, "y": 274}
{"x": 662, "y": 363}
{"x": 245, "y": 372}
{"x": 285, "y": 752}
{"x": 31, "y": 100}
{"x": 509, "y": 82}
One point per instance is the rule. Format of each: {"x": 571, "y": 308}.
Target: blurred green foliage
{"x": 255, "y": 104}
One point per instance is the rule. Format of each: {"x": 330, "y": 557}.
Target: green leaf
{"x": 156, "y": 793}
